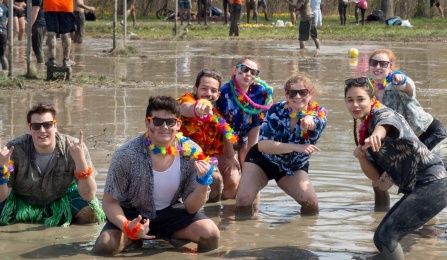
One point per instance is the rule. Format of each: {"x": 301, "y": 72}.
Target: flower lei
{"x": 313, "y": 109}
{"x": 184, "y": 149}
{"x": 363, "y": 129}
{"x": 222, "y": 126}
{"x": 379, "y": 86}
{"x": 5, "y": 172}
{"x": 242, "y": 100}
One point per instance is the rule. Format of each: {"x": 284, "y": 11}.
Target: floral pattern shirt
{"x": 406, "y": 160}
{"x": 276, "y": 127}
{"x": 130, "y": 179}
{"x": 205, "y": 134}
{"x": 241, "y": 121}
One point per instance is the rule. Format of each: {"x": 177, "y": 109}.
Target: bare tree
{"x": 387, "y": 6}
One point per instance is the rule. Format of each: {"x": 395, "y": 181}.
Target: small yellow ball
{"x": 353, "y": 53}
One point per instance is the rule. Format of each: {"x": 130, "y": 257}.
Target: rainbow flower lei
{"x": 378, "y": 86}
{"x": 5, "y": 172}
{"x": 313, "y": 109}
{"x": 184, "y": 149}
{"x": 242, "y": 100}
{"x": 363, "y": 129}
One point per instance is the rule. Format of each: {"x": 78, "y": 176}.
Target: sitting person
{"x": 47, "y": 176}
{"x": 148, "y": 177}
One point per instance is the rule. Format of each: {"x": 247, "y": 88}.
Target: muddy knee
{"x": 108, "y": 243}
{"x": 86, "y": 215}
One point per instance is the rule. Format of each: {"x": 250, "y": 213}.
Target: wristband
{"x": 132, "y": 234}
{"x": 83, "y": 175}
{"x": 206, "y": 179}
{"x": 389, "y": 78}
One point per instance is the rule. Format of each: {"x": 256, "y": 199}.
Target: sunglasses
{"x": 170, "y": 122}
{"x": 246, "y": 69}
{"x": 359, "y": 82}
{"x": 293, "y": 93}
{"x": 209, "y": 72}
{"x": 382, "y": 63}
{"x": 38, "y": 126}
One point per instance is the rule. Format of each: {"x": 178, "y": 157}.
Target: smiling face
{"x": 163, "y": 135}
{"x": 299, "y": 101}
{"x": 44, "y": 139}
{"x": 245, "y": 79}
{"x": 358, "y": 101}
{"x": 207, "y": 89}
{"x": 380, "y": 71}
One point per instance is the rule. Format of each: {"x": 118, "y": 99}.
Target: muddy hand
{"x": 359, "y": 152}
{"x": 144, "y": 228}
{"x": 374, "y": 141}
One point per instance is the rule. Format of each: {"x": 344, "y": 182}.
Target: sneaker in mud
{"x": 51, "y": 63}
{"x": 68, "y": 63}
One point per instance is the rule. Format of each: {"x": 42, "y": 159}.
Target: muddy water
{"x": 110, "y": 116}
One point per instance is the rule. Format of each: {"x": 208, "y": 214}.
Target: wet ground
{"x": 110, "y": 116}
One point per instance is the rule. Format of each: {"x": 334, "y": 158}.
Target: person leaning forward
{"x": 147, "y": 178}
{"x": 47, "y": 177}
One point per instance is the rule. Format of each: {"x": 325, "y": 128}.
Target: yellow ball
{"x": 353, "y": 53}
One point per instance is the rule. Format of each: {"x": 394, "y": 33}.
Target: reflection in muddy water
{"x": 110, "y": 116}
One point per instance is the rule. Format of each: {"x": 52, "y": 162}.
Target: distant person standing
{"x": 342, "y": 6}
{"x": 292, "y": 11}
{"x": 438, "y": 6}
{"x": 315, "y": 5}
{"x": 263, "y": 4}
{"x": 79, "y": 7}
{"x": 185, "y": 7}
{"x": 3, "y": 34}
{"x": 360, "y": 6}
{"x": 19, "y": 18}
{"x": 307, "y": 26}
{"x": 235, "y": 11}
{"x": 38, "y": 29}
{"x": 131, "y": 11}
{"x": 59, "y": 19}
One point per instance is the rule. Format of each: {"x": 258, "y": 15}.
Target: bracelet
{"x": 83, "y": 175}
{"x": 132, "y": 234}
{"x": 5, "y": 172}
{"x": 389, "y": 78}
{"x": 206, "y": 179}
{"x": 204, "y": 118}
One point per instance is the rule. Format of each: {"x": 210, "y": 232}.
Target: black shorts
{"x": 270, "y": 169}
{"x": 19, "y": 13}
{"x": 60, "y": 22}
{"x": 168, "y": 220}
{"x": 307, "y": 28}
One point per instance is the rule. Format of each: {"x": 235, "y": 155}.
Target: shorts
{"x": 270, "y": 169}
{"x": 252, "y": 4}
{"x": 262, "y": 3}
{"x": 3, "y": 42}
{"x": 19, "y": 13}
{"x": 435, "y": 133}
{"x": 307, "y": 28}
{"x": 130, "y": 3}
{"x": 60, "y": 22}
{"x": 168, "y": 220}
{"x": 184, "y": 4}
{"x": 292, "y": 8}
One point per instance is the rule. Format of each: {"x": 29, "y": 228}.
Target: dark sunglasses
{"x": 209, "y": 72}
{"x": 246, "y": 69}
{"x": 359, "y": 82}
{"x": 293, "y": 93}
{"x": 170, "y": 122}
{"x": 38, "y": 126}
{"x": 383, "y": 63}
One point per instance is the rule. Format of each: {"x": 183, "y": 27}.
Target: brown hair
{"x": 249, "y": 58}
{"x": 305, "y": 80}
{"x": 390, "y": 55}
{"x": 40, "y": 109}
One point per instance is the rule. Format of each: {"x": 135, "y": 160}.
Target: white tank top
{"x": 166, "y": 184}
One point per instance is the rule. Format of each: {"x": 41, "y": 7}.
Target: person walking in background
{"x": 360, "y": 7}
{"x": 263, "y": 4}
{"x": 342, "y": 6}
{"x": 38, "y": 29}
{"x": 185, "y": 8}
{"x": 307, "y": 25}
{"x": 315, "y": 5}
{"x": 79, "y": 13}
{"x": 19, "y": 18}
{"x": 3, "y": 34}
{"x": 235, "y": 11}
{"x": 59, "y": 19}
{"x": 156, "y": 184}
{"x": 292, "y": 11}
{"x": 287, "y": 139}
{"x": 130, "y": 10}
{"x": 47, "y": 177}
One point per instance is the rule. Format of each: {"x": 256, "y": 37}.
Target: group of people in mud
{"x": 227, "y": 141}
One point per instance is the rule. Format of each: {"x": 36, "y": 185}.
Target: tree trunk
{"x": 387, "y": 7}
